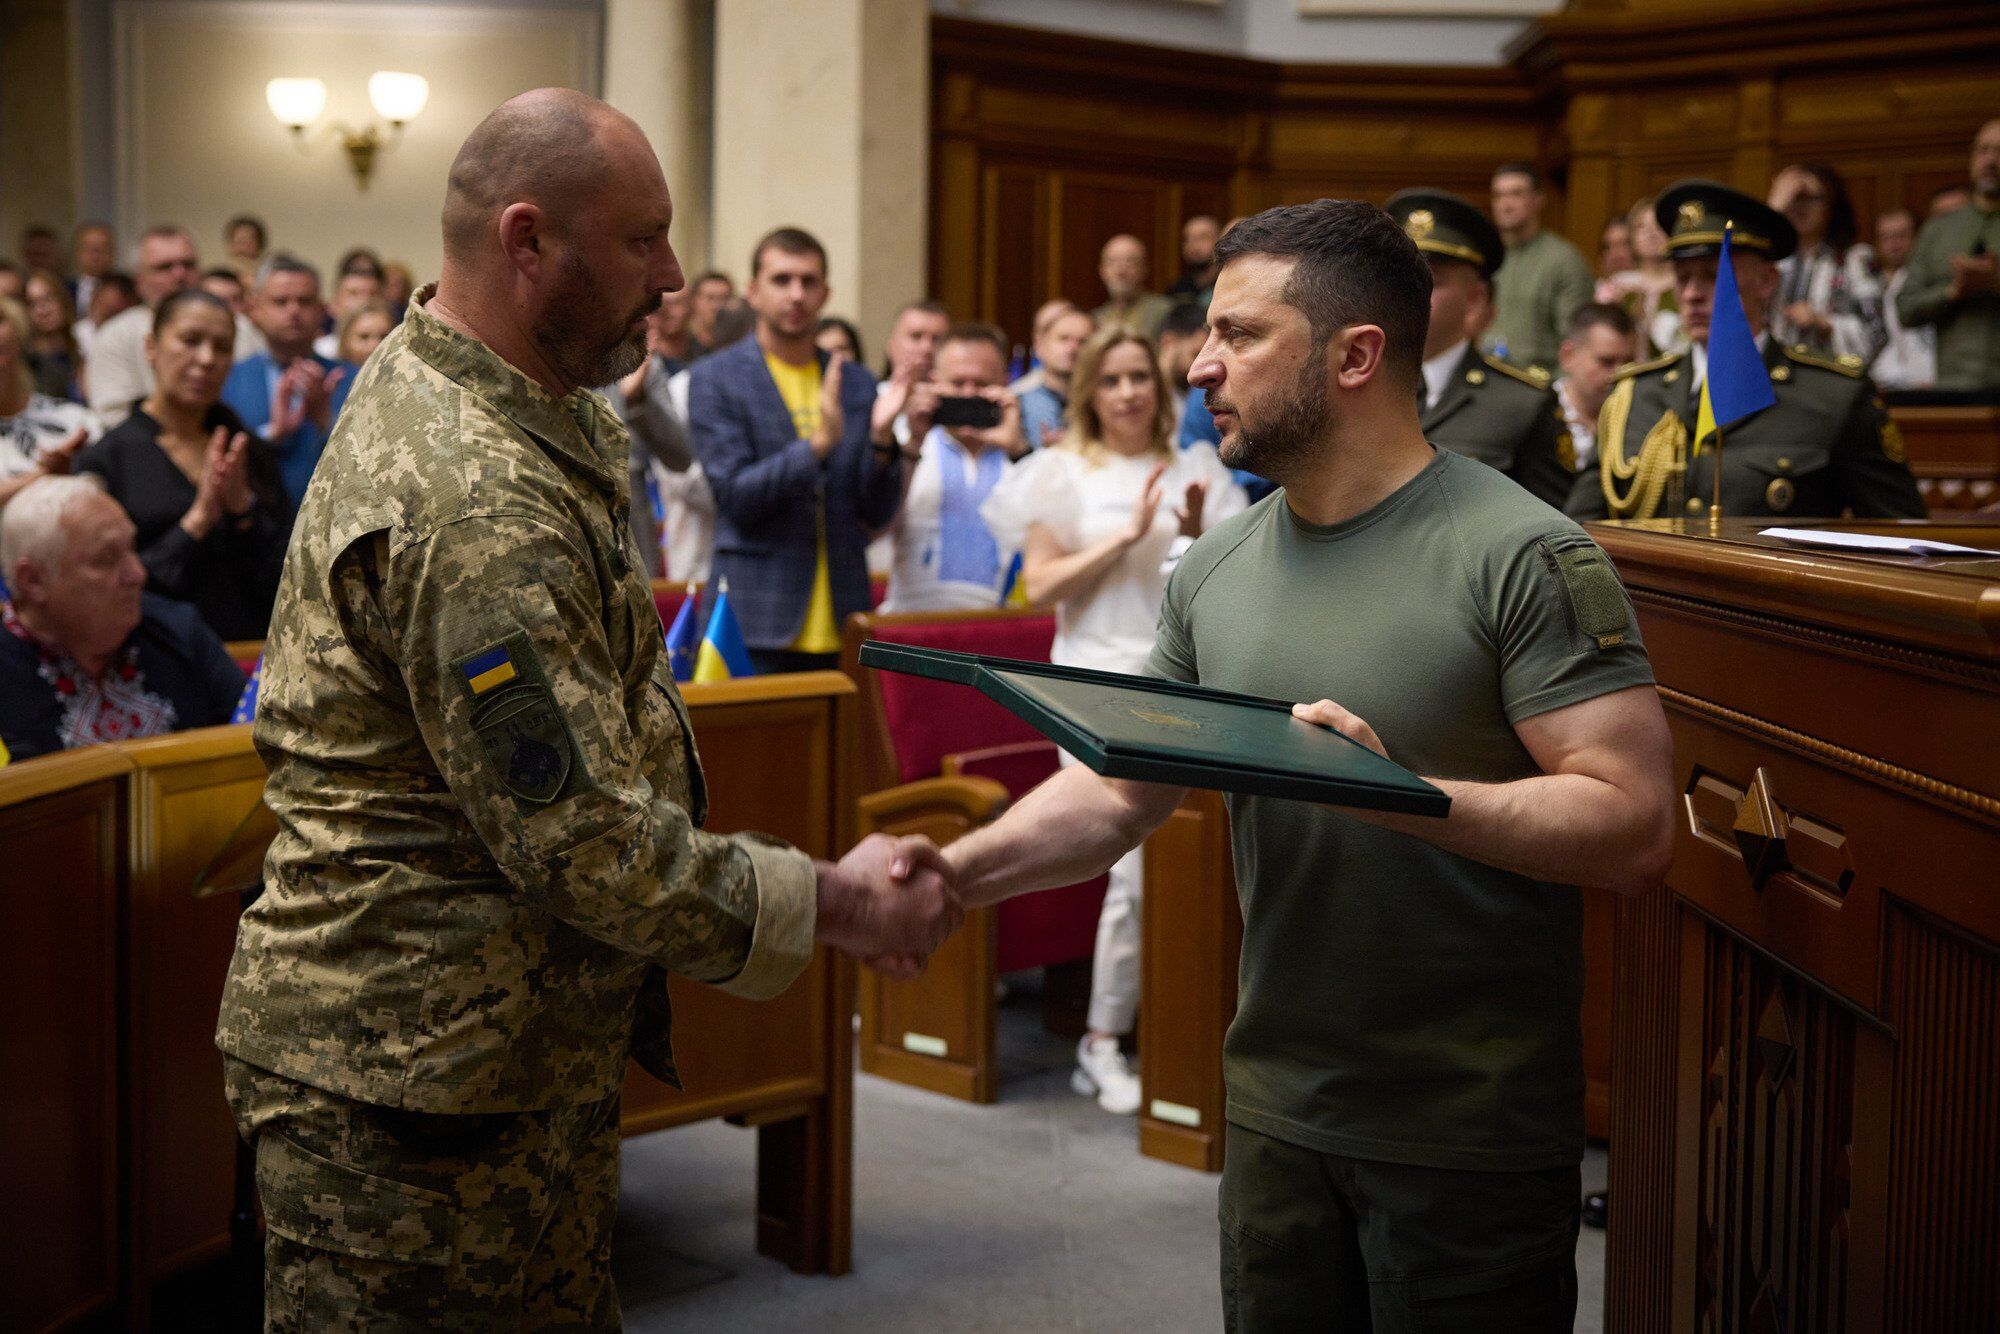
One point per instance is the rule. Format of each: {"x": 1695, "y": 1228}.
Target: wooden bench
{"x": 112, "y": 1118}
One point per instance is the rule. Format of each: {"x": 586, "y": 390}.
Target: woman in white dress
{"x": 1099, "y": 517}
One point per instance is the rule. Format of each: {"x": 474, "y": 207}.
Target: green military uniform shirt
{"x": 1824, "y": 449}
{"x": 489, "y": 851}
{"x": 1968, "y": 331}
{"x": 1147, "y": 313}
{"x": 1508, "y": 419}
{"x": 1541, "y": 284}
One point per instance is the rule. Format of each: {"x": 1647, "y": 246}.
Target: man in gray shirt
{"x": 1954, "y": 278}
{"x": 1543, "y": 280}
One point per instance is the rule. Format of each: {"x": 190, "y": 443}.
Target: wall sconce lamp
{"x": 397, "y": 99}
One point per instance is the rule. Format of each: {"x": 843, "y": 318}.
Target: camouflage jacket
{"x": 489, "y": 850}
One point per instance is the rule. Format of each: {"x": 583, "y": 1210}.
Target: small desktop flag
{"x": 1014, "y": 589}
{"x": 684, "y": 638}
{"x": 246, "y": 703}
{"x": 1737, "y": 383}
{"x": 722, "y": 655}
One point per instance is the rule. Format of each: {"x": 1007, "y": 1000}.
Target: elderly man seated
{"x": 86, "y": 655}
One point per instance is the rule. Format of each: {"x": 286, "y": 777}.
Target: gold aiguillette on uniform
{"x": 1157, "y": 731}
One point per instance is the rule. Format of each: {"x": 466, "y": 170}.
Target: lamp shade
{"x": 398, "y": 97}
{"x": 296, "y": 102}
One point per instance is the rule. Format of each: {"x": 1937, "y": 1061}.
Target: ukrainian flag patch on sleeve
{"x": 491, "y": 669}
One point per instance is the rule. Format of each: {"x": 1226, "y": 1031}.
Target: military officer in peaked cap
{"x": 1825, "y": 448}
{"x": 1476, "y": 405}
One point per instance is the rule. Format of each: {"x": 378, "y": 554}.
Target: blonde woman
{"x": 1098, "y": 516}
{"x": 361, "y": 330}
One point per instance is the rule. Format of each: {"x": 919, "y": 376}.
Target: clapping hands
{"x": 890, "y": 903}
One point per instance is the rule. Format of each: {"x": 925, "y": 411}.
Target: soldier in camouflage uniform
{"x": 1476, "y": 405}
{"x": 490, "y": 851}
{"x": 1824, "y": 449}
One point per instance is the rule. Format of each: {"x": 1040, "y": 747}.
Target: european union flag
{"x": 246, "y": 703}
{"x": 722, "y": 655}
{"x": 1738, "y": 382}
{"x": 684, "y": 636}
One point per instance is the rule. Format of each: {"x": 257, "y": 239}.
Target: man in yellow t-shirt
{"x": 803, "y": 462}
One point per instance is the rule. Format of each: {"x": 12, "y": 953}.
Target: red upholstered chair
{"x": 245, "y": 652}
{"x": 937, "y": 1031}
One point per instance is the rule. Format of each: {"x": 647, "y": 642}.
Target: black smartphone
{"x": 981, "y": 414}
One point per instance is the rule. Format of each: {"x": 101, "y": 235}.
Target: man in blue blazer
{"x": 288, "y": 394}
{"x": 800, "y": 454}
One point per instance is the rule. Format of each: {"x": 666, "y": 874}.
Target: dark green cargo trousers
{"x": 384, "y": 1220}
{"x": 1317, "y": 1242}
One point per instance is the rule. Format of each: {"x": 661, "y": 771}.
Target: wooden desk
{"x": 773, "y": 752}
{"x": 62, "y": 841}
{"x": 1806, "y": 1058}
{"x": 1955, "y": 455}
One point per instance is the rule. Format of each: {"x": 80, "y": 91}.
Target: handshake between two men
{"x": 890, "y": 902}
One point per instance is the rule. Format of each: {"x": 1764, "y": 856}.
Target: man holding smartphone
{"x": 945, "y": 557}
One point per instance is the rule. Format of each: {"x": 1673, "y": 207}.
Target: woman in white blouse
{"x": 1829, "y": 295}
{"x": 1099, "y": 517}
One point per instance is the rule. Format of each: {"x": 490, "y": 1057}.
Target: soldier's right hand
{"x": 889, "y": 902}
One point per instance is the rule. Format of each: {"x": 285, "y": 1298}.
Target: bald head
{"x": 546, "y": 144}
{"x": 555, "y": 239}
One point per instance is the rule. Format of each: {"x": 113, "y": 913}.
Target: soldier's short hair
{"x": 1594, "y": 313}
{"x": 1355, "y": 266}
{"x": 31, "y": 527}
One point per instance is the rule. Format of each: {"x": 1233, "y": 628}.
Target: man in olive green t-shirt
{"x": 1543, "y": 282}
{"x": 1404, "y": 1070}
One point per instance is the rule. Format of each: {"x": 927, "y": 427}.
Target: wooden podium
{"x": 1805, "y": 1115}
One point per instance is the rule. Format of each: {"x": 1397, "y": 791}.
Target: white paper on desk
{"x": 1875, "y": 542}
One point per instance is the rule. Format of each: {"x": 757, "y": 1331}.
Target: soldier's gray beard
{"x": 572, "y": 337}
{"x": 1277, "y": 448}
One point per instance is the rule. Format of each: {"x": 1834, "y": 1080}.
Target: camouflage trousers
{"x": 380, "y": 1219}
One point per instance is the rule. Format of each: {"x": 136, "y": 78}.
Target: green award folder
{"x": 1158, "y": 731}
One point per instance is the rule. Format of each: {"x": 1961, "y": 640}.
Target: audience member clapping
{"x": 39, "y": 435}
{"x": 1829, "y": 297}
{"x": 205, "y": 494}
{"x": 709, "y": 295}
{"x": 673, "y": 513}
{"x": 54, "y": 355}
{"x": 86, "y": 655}
{"x": 288, "y": 394}
{"x": 1908, "y": 359}
{"x": 907, "y": 354}
{"x": 1098, "y": 516}
{"x": 119, "y": 372}
{"x": 945, "y": 557}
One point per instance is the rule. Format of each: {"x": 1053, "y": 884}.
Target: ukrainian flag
{"x": 1014, "y": 588}
{"x": 723, "y": 655}
{"x": 1738, "y": 383}
{"x": 494, "y": 667}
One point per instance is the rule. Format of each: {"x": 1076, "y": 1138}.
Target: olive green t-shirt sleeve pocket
{"x": 1566, "y": 629}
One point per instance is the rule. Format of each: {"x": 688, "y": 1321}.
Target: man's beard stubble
{"x": 572, "y": 334}
{"x": 1277, "y": 449}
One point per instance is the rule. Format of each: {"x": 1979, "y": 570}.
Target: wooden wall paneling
{"x": 62, "y": 842}
{"x": 1644, "y": 1063}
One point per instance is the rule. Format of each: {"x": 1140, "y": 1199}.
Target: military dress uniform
{"x": 1826, "y": 446}
{"x": 1503, "y": 416}
{"x": 1508, "y": 419}
{"x": 489, "y": 857}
